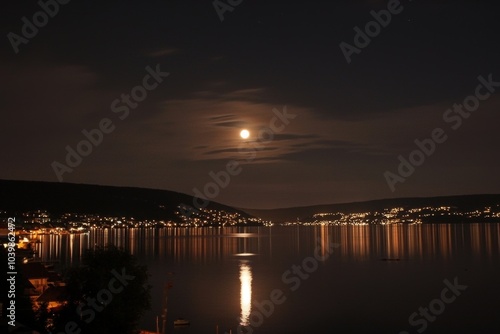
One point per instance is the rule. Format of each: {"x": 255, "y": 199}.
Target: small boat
{"x": 181, "y": 322}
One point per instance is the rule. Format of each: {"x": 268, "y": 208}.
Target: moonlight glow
{"x": 244, "y": 134}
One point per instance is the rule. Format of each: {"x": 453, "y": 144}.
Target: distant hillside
{"x": 58, "y": 198}
{"x": 463, "y": 202}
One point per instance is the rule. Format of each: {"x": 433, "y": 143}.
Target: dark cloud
{"x": 292, "y": 136}
{"x": 221, "y": 118}
{"x": 231, "y": 124}
{"x": 242, "y": 150}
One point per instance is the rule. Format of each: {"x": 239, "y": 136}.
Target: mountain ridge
{"x": 301, "y": 212}
{"x": 62, "y": 197}
{"x": 147, "y": 203}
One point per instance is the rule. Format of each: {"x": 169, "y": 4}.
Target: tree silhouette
{"x": 109, "y": 293}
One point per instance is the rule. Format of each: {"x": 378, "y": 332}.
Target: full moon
{"x": 244, "y": 134}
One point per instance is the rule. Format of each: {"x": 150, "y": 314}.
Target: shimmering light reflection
{"x": 245, "y": 254}
{"x": 199, "y": 245}
{"x": 245, "y": 293}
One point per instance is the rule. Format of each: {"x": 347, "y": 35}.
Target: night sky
{"x": 348, "y": 122}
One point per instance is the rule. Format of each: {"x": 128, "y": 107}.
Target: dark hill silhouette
{"x": 143, "y": 203}
{"x": 461, "y": 202}
{"x": 58, "y": 198}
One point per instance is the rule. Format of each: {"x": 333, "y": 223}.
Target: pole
{"x": 164, "y": 315}
{"x": 168, "y": 285}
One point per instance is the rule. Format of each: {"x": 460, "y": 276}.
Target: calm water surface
{"x": 373, "y": 280}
